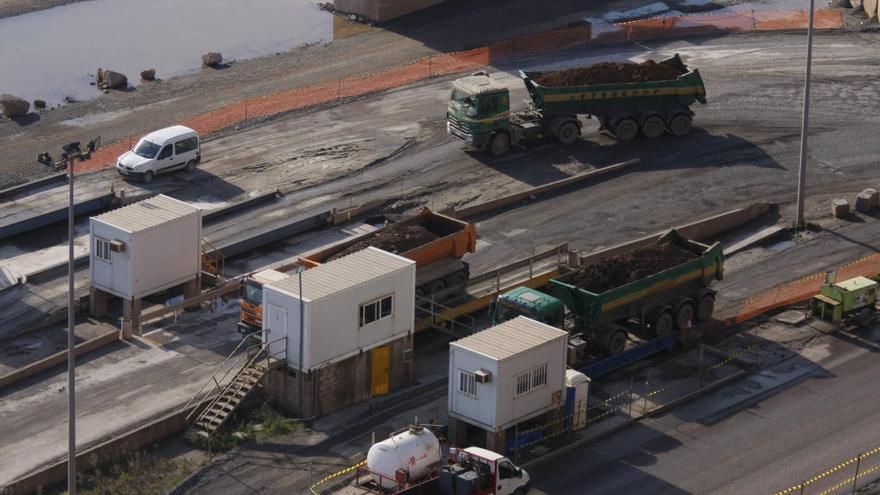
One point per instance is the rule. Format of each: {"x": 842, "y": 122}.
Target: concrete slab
{"x": 792, "y": 317}
{"x": 125, "y": 385}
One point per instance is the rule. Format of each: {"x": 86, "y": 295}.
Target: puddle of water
{"x": 781, "y": 245}
{"x": 48, "y": 54}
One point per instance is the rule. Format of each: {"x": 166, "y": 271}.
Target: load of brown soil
{"x": 610, "y": 73}
{"x": 621, "y": 270}
{"x": 395, "y": 240}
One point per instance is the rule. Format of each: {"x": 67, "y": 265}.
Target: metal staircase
{"x": 234, "y": 379}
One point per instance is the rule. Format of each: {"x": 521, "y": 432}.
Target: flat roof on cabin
{"x": 510, "y": 338}
{"x": 342, "y": 273}
{"x": 147, "y": 214}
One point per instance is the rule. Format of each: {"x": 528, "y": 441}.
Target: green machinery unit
{"x": 854, "y": 298}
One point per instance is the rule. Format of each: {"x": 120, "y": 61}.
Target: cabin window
{"x": 467, "y": 383}
{"x": 530, "y": 380}
{"x": 377, "y": 309}
{"x": 102, "y": 249}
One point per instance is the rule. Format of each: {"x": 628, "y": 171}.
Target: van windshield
{"x": 146, "y": 149}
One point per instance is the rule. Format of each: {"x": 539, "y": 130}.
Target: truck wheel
{"x": 864, "y": 318}
{"x": 499, "y": 145}
{"x": 684, "y": 317}
{"x": 681, "y": 125}
{"x": 653, "y": 127}
{"x": 435, "y": 286}
{"x": 567, "y": 133}
{"x": 148, "y": 176}
{"x": 663, "y": 324}
{"x": 626, "y": 129}
{"x": 613, "y": 340}
{"x": 190, "y": 165}
{"x": 456, "y": 279}
{"x": 705, "y": 308}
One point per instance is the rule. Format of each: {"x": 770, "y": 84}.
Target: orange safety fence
{"x": 501, "y": 52}
{"x": 803, "y": 289}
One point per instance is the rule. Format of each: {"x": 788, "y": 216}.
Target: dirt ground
{"x": 9, "y": 8}
{"x": 117, "y": 115}
{"x": 394, "y": 240}
{"x": 620, "y": 270}
{"x": 610, "y": 73}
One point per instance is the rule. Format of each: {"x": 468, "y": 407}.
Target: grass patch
{"x": 260, "y": 424}
{"x": 146, "y": 472}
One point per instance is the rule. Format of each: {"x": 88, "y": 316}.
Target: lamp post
{"x": 802, "y": 168}
{"x": 70, "y": 153}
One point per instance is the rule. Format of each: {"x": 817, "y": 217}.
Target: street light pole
{"x": 71, "y": 153}
{"x": 802, "y": 169}
{"x": 71, "y": 355}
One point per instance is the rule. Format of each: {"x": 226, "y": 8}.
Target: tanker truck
{"x": 478, "y": 112}
{"x": 650, "y": 294}
{"x": 410, "y": 462}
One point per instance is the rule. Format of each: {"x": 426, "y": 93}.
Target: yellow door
{"x": 381, "y": 370}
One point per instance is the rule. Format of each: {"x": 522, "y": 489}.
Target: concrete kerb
{"x": 57, "y": 359}
{"x": 90, "y": 457}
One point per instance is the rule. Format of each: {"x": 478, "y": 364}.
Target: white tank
{"x": 415, "y": 450}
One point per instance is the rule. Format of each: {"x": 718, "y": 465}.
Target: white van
{"x": 161, "y": 151}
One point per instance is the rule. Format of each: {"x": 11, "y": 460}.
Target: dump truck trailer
{"x": 660, "y": 305}
{"x": 436, "y": 243}
{"x": 478, "y": 111}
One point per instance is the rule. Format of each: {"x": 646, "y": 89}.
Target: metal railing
{"x": 204, "y": 391}
{"x": 263, "y": 349}
{"x": 432, "y": 313}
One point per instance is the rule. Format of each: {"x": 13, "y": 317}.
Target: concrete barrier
{"x": 91, "y": 457}
{"x": 699, "y": 230}
{"x": 57, "y": 358}
{"x": 534, "y": 191}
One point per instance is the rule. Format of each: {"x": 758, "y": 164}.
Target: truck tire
{"x": 663, "y": 323}
{"x": 681, "y": 124}
{"x": 456, "y": 278}
{"x": 626, "y": 129}
{"x": 864, "y": 317}
{"x": 705, "y": 307}
{"x": 612, "y": 340}
{"x": 653, "y": 127}
{"x": 568, "y": 133}
{"x": 434, "y": 286}
{"x": 499, "y": 144}
{"x": 684, "y": 316}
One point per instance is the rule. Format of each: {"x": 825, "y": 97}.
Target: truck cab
{"x": 478, "y": 111}
{"x": 251, "y": 300}
{"x": 505, "y": 476}
{"x": 532, "y": 303}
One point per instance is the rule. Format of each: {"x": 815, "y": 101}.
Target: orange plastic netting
{"x": 452, "y": 63}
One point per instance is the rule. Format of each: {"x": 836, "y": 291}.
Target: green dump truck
{"x": 479, "y": 108}
{"x": 664, "y": 290}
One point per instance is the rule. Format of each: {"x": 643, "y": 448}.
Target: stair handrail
{"x": 263, "y": 348}
{"x": 198, "y": 396}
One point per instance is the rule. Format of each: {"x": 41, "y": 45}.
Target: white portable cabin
{"x": 351, "y": 304}
{"x": 145, "y": 247}
{"x": 507, "y": 374}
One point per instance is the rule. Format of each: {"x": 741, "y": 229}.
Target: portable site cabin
{"x": 507, "y": 374}
{"x": 145, "y": 247}
{"x": 358, "y": 314}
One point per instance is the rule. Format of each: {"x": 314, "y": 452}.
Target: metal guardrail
{"x": 201, "y": 394}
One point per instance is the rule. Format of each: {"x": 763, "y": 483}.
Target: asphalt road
{"x": 745, "y": 148}
{"x": 756, "y": 448}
